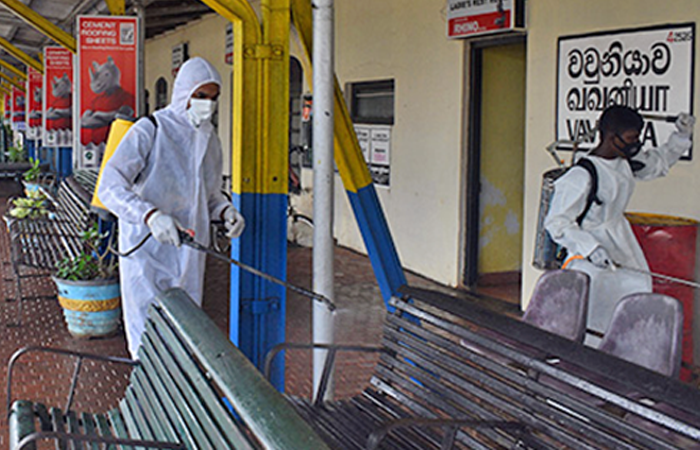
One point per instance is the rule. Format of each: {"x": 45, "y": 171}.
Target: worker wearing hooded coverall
{"x": 605, "y": 237}
{"x": 164, "y": 178}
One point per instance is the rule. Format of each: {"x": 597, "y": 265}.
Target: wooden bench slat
{"x": 21, "y": 421}
{"x": 89, "y": 428}
{"x": 136, "y": 421}
{"x": 177, "y": 419}
{"x": 168, "y": 376}
{"x": 58, "y": 425}
{"x": 593, "y": 434}
{"x": 218, "y": 417}
{"x": 73, "y": 427}
{"x": 103, "y": 427}
{"x": 118, "y": 426}
{"x": 44, "y": 418}
{"x": 153, "y": 414}
{"x": 485, "y": 395}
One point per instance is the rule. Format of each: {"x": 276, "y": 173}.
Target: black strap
{"x": 152, "y": 118}
{"x": 593, "y": 193}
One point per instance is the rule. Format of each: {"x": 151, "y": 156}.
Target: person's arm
{"x": 568, "y": 202}
{"x": 658, "y": 161}
{"x": 120, "y": 172}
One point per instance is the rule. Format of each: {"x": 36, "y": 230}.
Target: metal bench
{"x": 37, "y": 245}
{"x": 431, "y": 391}
{"x": 179, "y": 394}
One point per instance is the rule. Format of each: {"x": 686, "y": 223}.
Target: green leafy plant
{"x": 91, "y": 263}
{"x": 16, "y": 154}
{"x": 32, "y": 174}
{"x": 31, "y": 207}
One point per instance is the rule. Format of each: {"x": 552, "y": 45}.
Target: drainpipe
{"x": 323, "y": 121}
{"x": 141, "y": 76}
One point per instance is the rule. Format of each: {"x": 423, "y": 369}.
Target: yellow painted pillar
{"x": 260, "y": 131}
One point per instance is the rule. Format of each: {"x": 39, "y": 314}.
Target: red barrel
{"x": 670, "y": 246}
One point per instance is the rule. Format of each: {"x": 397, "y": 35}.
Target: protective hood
{"x": 193, "y": 74}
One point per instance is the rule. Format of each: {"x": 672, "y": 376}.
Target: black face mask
{"x": 629, "y": 149}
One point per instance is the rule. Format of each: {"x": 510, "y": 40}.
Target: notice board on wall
{"x": 648, "y": 69}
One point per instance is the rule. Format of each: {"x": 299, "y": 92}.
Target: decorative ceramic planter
{"x": 91, "y": 308}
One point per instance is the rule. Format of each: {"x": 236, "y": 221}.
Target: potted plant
{"x": 88, "y": 289}
{"x": 31, "y": 207}
{"x": 31, "y": 176}
{"x": 16, "y": 154}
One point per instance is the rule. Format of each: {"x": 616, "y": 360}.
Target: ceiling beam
{"x": 41, "y": 24}
{"x": 20, "y": 55}
{"x": 13, "y": 69}
{"x": 116, "y": 7}
{"x": 16, "y": 82}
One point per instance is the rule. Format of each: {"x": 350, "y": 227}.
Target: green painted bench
{"x": 187, "y": 374}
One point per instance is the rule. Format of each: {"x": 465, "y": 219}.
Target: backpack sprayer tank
{"x": 549, "y": 254}
{"x": 118, "y": 129}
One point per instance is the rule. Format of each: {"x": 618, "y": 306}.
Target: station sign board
{"x": 648, "y": 69}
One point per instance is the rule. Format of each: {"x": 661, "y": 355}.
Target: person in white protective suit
{"x": 164, "y": 178}
{"x": 605, "y": 238}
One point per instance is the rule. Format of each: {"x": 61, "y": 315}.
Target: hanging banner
{"x": 18, "y": 109}
{"x": 466, "y": 18}
{"x": 35, "y": 81}
{"x": 7, "y": 108}
{"x": 648, "y": 69}
{"x": 106, "y": 75}
{"x": 58, "y": 97}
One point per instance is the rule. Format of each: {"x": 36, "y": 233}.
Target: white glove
{"x": 600, "y": 258}
{"x": 234, "y": 222}
{"x": 164, "y": 228}
{"x": 685, "y": 124}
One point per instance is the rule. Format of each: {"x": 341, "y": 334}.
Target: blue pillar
{"x": 258, "y": 307}
{"x": 31, "y": 149}
{"x": 64, "y": 164}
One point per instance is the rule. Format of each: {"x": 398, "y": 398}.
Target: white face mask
{"x": 200, "y": 110}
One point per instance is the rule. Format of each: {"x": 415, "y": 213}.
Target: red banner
{"x": 58, "y": 97}
{"x": 18, "y": 109}
{"x": 7, "y": 106}
{"x": 107, "y": 75}
{"x": 35, "y": 81}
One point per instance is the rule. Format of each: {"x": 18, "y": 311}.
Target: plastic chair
{"x": 646, "y": 329}
{"x": 559, "y": 304}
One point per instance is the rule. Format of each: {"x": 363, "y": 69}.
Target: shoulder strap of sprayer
{"x": 593, "y": 193}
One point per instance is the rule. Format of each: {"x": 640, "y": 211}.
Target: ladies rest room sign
{"x": 648, "y": 69}
{"x": 466, "y": 18}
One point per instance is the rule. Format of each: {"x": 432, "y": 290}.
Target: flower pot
{"x": 91, "y": 308}
{"x": 30, "y": 187}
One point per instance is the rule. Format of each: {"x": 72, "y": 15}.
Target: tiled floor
{"x": 46, "y": 378}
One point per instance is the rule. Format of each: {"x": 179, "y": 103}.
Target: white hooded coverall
{"x": 605, "y": 225}
{"x": 177, "y": 169}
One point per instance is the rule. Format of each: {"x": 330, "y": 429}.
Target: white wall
{"x": 549, "y": 19}
{"x": 206, "y": 38}
{"x": 406, "y": 41}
